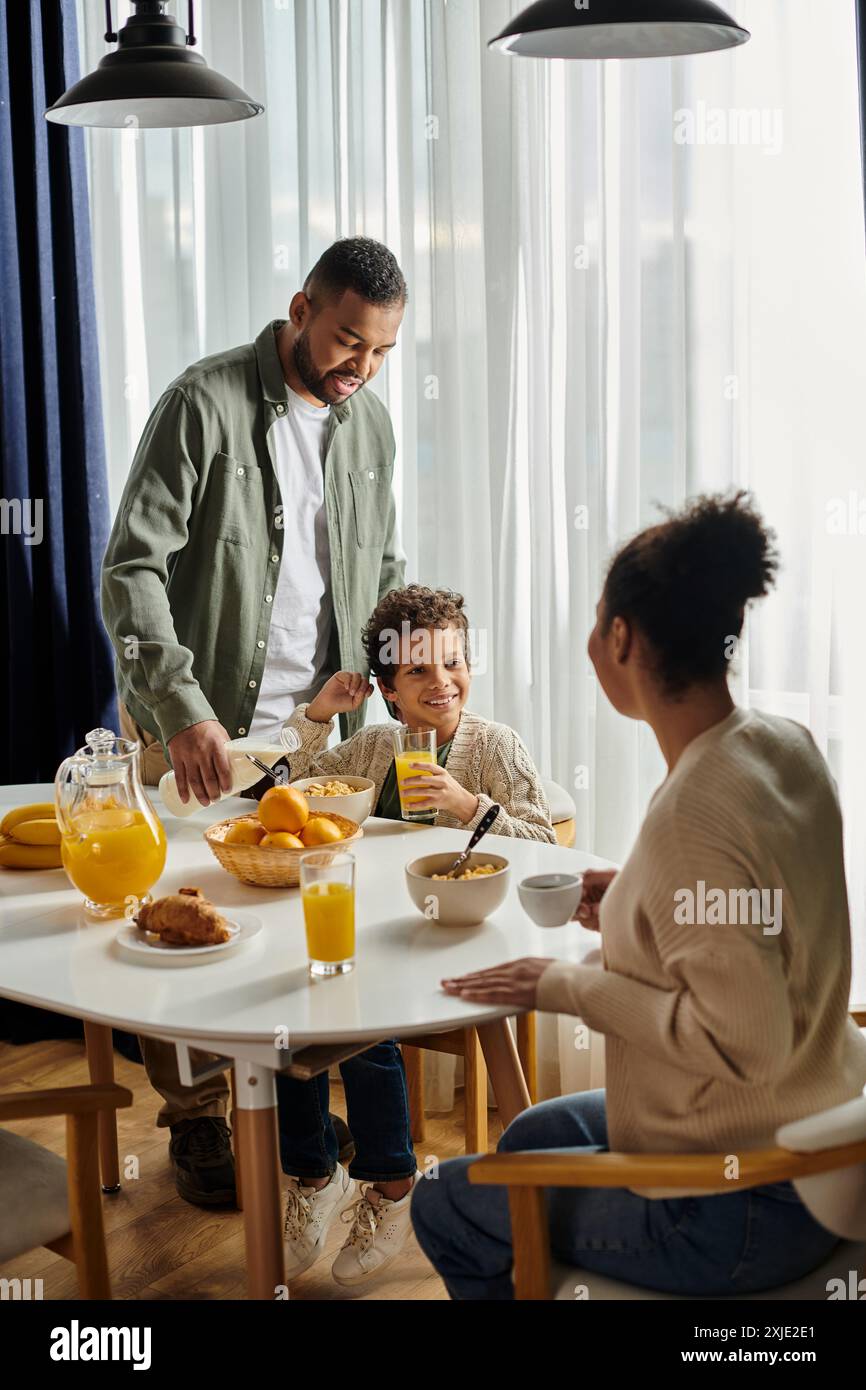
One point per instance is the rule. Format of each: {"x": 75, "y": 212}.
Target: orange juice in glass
{"x": 413, "y": 746}
{"x": 328, "y": 896}
{"x": 112, "y": 842}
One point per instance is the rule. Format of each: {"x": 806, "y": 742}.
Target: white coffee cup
{"x": 551, "y": 900}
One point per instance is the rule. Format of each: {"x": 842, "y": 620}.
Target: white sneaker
{"x": 309, "y": 1213}
{"x": 380, "y": 1229}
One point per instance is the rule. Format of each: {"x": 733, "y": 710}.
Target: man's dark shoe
{"x": 204, "y": 1169}
{"x": 344, "y": 1139}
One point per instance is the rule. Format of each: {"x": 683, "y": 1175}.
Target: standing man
{"x": 256, "y": 534}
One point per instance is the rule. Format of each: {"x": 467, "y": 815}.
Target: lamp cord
{"x": 110, "y": 36}
{"x": 190, "y": 38}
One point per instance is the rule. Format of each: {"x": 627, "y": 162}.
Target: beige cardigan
{"x": 723, "y": 1023}
{"x": 489, "y": 760}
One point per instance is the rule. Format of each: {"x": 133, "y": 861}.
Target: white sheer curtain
{"x": 631, "y": 282}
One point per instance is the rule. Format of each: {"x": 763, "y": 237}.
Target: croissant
{"x": 185, "y": 918}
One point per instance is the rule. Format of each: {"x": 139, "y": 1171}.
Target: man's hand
{"x": 515, "y": 983}
{"x": 343, "y": 693}
{"x": 432, "y": 788}
{"x": 595, "y": 884}
{"x": 201, "y": 764}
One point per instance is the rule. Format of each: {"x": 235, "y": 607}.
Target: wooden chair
{"x": 563, "y": 813}
{"x": 463, "y": 1042}
{"x": 46, "y": 1202}
{"x": 526, "y": 1175}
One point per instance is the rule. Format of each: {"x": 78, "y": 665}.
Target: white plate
{"x": 151, "y": 949}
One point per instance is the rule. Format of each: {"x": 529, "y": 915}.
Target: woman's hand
{"x": 440, "y": 792}
{"x": 595, "y": 884}
{"x": 344, "y": 692}
{"x": 515, "y": 983}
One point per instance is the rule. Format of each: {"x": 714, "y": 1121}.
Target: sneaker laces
{"x": 298, "y": 1213}
{"x": 366, "y": 1218}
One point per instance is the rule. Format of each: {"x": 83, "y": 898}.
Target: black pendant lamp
{"x": 153, "y": 81}
{"x": 619, "y": 29}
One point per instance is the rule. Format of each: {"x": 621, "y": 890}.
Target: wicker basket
{"x": 270, "y": 867}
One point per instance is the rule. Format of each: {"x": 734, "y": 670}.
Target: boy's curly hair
{"x": 417, "y": 608}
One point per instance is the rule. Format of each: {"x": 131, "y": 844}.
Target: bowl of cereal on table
{"x": 352, "y": 797}
{"x": 476, "y": 893}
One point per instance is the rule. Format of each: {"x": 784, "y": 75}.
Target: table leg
{"x": 527, "y": 1050}
{"x": 506, "y": 1073}
{"x": 100, "y": 1062}
{"x": 413, "y": 1065}
{"x": 474, "y": 1093}
{"x": 234, "y": 1125}
{"x": 256, "y": 1117}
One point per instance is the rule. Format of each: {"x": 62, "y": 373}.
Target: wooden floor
{"x": 160, "y": 1247}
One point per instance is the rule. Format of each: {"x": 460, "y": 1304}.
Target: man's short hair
{"x": 362, "y": 265}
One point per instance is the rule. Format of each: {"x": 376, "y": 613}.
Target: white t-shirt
{"x": 297, "y": 659}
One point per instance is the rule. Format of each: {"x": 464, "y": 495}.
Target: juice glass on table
{"x": 328, "y": 896}
{"x": 413, "y": 746}
{"x": 112, "y": 843}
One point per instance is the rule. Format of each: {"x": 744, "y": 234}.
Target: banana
{"x": 36, "y": 832}
{"x": 39, "y": 810}
{"x": 17, "y": 856}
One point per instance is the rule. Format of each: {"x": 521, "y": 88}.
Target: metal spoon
{"x": 263, "y": 767}
{"x": 480, "y": 831}
{"x": 277, "y": 776}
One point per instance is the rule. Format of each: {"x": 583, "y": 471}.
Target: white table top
{"x": 52, "y": 956}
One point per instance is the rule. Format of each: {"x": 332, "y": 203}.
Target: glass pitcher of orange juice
{"x": 111, "y": 840}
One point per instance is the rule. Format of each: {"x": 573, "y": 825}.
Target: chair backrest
{"x": 837, "y": 1200}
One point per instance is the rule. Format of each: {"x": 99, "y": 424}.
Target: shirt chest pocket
{"x": 234, "y": 500}
{"x": 371, "y": 498}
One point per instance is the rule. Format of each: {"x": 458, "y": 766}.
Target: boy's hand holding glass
{"x": 343, "y": 693}
{"x": 434, "y": 789}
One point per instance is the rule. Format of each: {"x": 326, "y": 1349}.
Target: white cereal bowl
{"x": 357, "y": 807}
{"x": 457, "y": 902}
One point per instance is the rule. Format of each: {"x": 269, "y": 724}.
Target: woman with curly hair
{"x": 726, "y": 955}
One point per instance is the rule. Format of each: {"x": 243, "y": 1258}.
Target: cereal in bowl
{"x": 330, "y": 789}
{"x": 480, "y": 871}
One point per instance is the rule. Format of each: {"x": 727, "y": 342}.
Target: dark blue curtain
{"x": 57, "y": 680}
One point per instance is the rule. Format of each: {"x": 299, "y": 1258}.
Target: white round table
{"x": 257, "y": 1006}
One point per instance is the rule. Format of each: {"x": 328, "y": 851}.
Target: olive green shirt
{"x": 191, "y": 568}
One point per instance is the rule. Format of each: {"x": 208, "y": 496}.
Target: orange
{"x": 245, "y": 832}
{"x": 284, "y": 808}
{"x": 319, "y": 830}
{"x": 281, "y": 839}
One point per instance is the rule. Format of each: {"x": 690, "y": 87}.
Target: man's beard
{"x": 313, "y": 381}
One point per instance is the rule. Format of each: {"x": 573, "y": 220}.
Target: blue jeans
{"x": 378, "y": 1114}
{"x": 736, "y": 1243}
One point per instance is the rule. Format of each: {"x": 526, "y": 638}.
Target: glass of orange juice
{"x": 328, "y": 895}
{"x": 413, "y": 746}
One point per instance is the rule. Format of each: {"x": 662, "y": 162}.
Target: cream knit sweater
{"x": 489, "y": 760}
{"x": 716, "y": 1033}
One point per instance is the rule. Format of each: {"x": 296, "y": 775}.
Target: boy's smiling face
{"x": 431, "y": 685}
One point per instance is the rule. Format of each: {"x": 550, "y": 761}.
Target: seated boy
{"x": 416, "y": 642}
{"x": 479, "y": 762}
